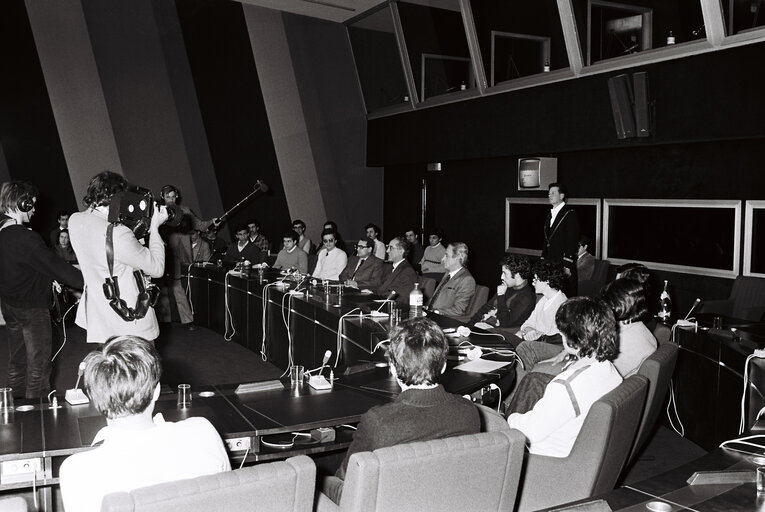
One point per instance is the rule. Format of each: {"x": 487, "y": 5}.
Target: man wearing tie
{"x": 364, "y": 270}
{"x": 562, "y": 235}
{"x": 399, "y": 276}
{"x": 457, "y": 287}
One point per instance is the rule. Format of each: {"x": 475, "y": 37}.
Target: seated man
{"x": 588, "y": 333}
{"x": 423, "y": 411}
{"x": 298, "y": 226}
{"x": 201, "y": 250}
{"x": 585, "y": 262}
{"x": 292, "y": 256}
{"x": 332, "y": 260}
{"x": 243, "y": 249}
{"x": 431, "y": 264}
{"x": 515, "y": 299}
{"x": 364, "y": 270}
{"x": 136, "y": 450}
{"x": 256, "y": 237}
{"x": 416, "y": 251}
{"x": 399, "y": 276}
{"x": 453, "y": 293}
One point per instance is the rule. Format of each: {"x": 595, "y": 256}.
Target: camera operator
{"x": 180, "y": 251}
{"x": 27, "y": 268}
{"x": 88, "y": 232}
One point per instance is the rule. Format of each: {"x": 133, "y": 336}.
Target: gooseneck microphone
{"x": 80, "y": 373}
{"x": 695, "y": 303}
{"x": 391, "y": 296}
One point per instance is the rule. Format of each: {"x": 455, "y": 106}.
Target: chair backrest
{"x": 479, "y": 298}
{"x": 748, "y": 296}
{"x": 491, "y": 420}
{"x": 278, "y": 486}
{"x": 658, "y": 369}
{"x": 428, "y": 287}
{"x": 597, "y": 457}
{"x": 15, "y": 504}
{"x": 591, "y": 287}
{"x": 442, "y": 474}
{"x": 662, "y": 333}
{"x": 313, "y": 259}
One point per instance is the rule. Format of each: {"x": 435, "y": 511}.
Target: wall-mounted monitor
{"x": 525, "y": 217}
{"x": 754, "y": 239}
{"x": 537, "y": 173}
{"x": 677, "y": 235}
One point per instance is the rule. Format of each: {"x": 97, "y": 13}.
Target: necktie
{"x": 358, "y": 266}
{"x": 438, "y": 290}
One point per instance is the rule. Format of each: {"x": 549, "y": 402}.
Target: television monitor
{"x": 537, "y": 173}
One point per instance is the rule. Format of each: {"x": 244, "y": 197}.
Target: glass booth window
{"x": 610, "y": 30}
{"x": 378, "y": 62}
{"x": 743, "y": 15}
{"x": 437, "y": 46}
{"x": 518, "y": 38}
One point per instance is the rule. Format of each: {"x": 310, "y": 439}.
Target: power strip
{"x": 319, "y": 382}
{"x": 687, "y": 324}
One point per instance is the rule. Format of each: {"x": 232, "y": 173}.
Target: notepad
{"x": 481, "y": 366}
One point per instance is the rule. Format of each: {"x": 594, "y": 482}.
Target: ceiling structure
{"x": 338, "y": 11}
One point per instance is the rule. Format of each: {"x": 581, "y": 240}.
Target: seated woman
{"x": 515, "y": 299}
{"x": 64, "y": 248}
{"x": 588, "y": 332}
{"x": 423, "y": 411}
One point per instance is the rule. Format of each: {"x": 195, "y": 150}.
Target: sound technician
{"x": 27, "y": 270}
{"x": 128, "y": 311}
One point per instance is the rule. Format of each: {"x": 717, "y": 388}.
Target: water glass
{"x": 6, "y": 400}
{"x": 184, "y": 396}
{"x": 296, "y": 375}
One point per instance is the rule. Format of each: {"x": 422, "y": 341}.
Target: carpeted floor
{"x": 195, "y": 357}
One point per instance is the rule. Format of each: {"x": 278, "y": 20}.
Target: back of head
{"x": 627, "y": 299}
{"x": 14, "y": 193}
{"x": 418, "y": 351}
{"x": 102, "y": 188}
{"x": 589, "y": 326}
{"x": 120, "y": 378}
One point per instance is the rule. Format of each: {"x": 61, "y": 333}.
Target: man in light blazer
{"x": 365, "y": 270}
{"x": 399, "y": 276}
{"x": 453, "y": 294}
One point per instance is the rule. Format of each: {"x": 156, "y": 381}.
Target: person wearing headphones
{"x": 180, "y": 250}
{"x": 108, "y": 251}
{"x": 27, "y": 270}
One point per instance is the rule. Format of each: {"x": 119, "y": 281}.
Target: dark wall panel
{"x": 233, "y": 112}
{"x": 30, "y": 142}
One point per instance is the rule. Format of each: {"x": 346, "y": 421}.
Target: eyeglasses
{"x": 358, "y": 246}
{"x": 328, "y": 240}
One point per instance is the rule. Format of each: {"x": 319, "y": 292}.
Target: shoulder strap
{"x": 110, "y": 249}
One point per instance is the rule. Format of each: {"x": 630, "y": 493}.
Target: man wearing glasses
{"x": 364, "y": 270}
{"x": 332, "y": 260}
{"x": 399, "y": 276}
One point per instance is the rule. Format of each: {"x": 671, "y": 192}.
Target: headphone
{"x": 25, "y": 204}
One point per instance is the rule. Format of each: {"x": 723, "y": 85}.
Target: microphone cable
{"x": 63, "y": 329}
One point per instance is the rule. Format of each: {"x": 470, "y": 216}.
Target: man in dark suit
{"x": 364, "y": 270}
{"x": 399, "y": 276}
{"x": 561, "y": 231}
{"x": 453, "y": 294}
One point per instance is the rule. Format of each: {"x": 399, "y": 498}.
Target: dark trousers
{"x": 29, "y": 348}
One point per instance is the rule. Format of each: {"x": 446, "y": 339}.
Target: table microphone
{"x": 318, "y": 381}
{"x": 695, "y": 303}
{"x": 76, "y": 396}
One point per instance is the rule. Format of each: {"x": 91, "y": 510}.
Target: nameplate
{"x": 252, "y": 387}
{"x": 722, "y": 477}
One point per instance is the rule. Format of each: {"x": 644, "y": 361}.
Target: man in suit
{"x": 457, "y": 287}
{"x": 561, "y": 232}
{"x": 399, "y": 276}
{"x": 364, "y": 270}
{"x": 585, "y": 262}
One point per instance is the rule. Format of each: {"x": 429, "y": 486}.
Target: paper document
{"x": 481, "y": 366}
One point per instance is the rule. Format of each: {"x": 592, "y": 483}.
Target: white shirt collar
{"x": 555, "y": 211}
{"x": 453, "y": 272}
{"x": 397, "y": 264}
{"x": 551, "y": 300}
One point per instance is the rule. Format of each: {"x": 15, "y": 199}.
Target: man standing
{"x": 298, "y": 226}
{"x": 416, "y": 251}
{"x": 457, "y": 287}
{"x": 364, "y": 270}
{"x": 107, "y": 250}
{"x": 399, "y": 276}
{"x": 373, "y": 232}
{"x": 292, "y": 256}
{"x": 63, "y": 223}
{"x": 257, "y": 238}
{"x": 27, "y": 270}
{"x": 179, "y": 247}
{"x": 332, "y": 260}
{"x": 561, "y": 232}
{"x": 137, "y": 450}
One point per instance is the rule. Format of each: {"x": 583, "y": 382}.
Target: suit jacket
{"x": 585, "y": 266}
{"x": 455, "y": 296}
{"x": 402, "y": 280}
{"x": 562, "y": 238}
{"x": 369, "y": 275}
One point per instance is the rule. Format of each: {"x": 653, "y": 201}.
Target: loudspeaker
{"x": 642, "y": 115}
{"x": 620, "y": 91}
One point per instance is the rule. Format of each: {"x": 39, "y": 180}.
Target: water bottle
{"x": 415, "y": 302}
{"x": 665, "y": 304}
